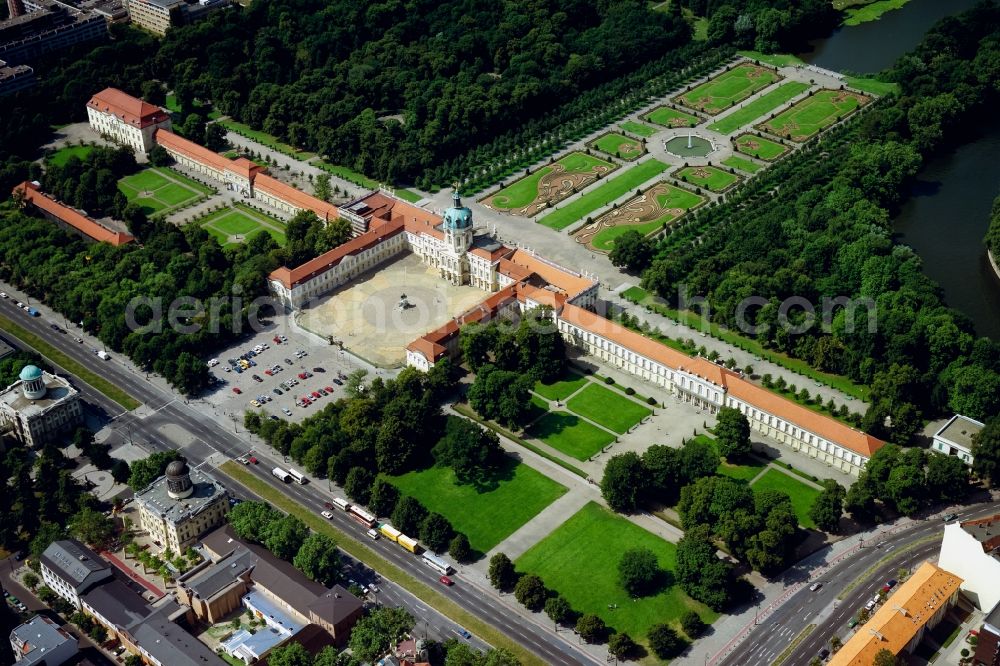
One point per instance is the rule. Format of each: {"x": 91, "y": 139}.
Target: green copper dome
{"x": 30, "y": 372}
{"x": 458, "y": 216}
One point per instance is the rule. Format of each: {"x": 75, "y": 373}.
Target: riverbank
{"x": 870, "y": 12}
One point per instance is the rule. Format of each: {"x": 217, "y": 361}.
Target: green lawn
{"x": 671, "y": 198}
{"x": 607, "y": 408}
{"x": 618, "y": 145}
{"x": 487, "y": 514}
{"x": 524, "y": 191}
{"x": 639, "y": 129}
{"x": 240, "y": 221}
{"x": 61, "y": 156}
{"x": 742, "y": 164}
{"x": 759, "y": 147}
{"x": 407, "y": 195}
{"x": 163, "y": 190}
{"x": 349, "y": 174}
{"x": 563, "y": 388}
{"x": 773, "y": 59}
{"x": 802, "y": 495}
{"x": 743, "y": 471}
{"x": 580, "y": 561}
{"x": 577, "y": 161}
{"x": 759, "y": 107}
{"x": 862, "y": 83}
{"x": 603, "y": 195}
{"x": 728, "y": 88}
{"x": 172, "y": 104}
{"x": 871, "y": 12}
{"x": 668, "y": 117}
{"x": 810, "y": 116}
{"x": 570, "y": 434}
{"x": 709, "y": 177}
{"x": 266, "y": 139}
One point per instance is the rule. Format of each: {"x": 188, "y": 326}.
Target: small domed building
{"x": 39, "y": 407}
{"x": 181, "y": 505}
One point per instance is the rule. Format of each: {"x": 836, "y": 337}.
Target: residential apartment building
{"x": 158, "y": 16}
{"x": 70, "y": 569}
{"x": 988, "y": 647}
{"x": 15, "y": 78}
{"x": 39, "y": 407}
{"x": 68, "y": 218}
{"x": 40, "y": 641}
{"x": 971, "y": 549}
{"x": 917, "y": 605}
{"x": 954, "y": 438}
{"x": 46, "y": 26}
{"x": 180, "y": 506}
{"x": 126, "y": 120}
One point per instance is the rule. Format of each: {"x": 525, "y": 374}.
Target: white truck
{"x": 103, "y": 355}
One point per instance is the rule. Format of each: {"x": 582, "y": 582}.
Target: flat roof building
{"x": 158, "y": 16}
{"x": 40, "y": 641}
{"x": 47, "y": 25}
{"x": 181, "y": 505}
{"x": 15, "y": 78}
{"x": 918, "y": 604}
{"x": 954, "y": 438}
{"x": 971, "y": 549}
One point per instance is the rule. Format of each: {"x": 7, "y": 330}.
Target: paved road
{"x": 206, "y": 439}
{"x": 803, "y": 607}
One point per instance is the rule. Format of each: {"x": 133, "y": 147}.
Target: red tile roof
{"x": 244, "y": 167}
{"x": 294, "y": 197}
{"x": 90, "y": 228}
{"x": 132, "y": 110}
{"x": 192, "y": 150}
{"x": 570, "y": 282}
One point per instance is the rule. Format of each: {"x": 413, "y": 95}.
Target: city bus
{"x": 361, "y": 516}
{"x": 281, "y": 474}
{"x": 298, "y": 477}
{"x": 436, "y": 563}
{"x": 341, "y": 503}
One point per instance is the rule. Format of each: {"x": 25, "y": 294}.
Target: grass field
{"x": 872, "y": 11}
{"x": 812, "y": 115}
{"x": 863, "y": 83}
{"x": 743, "y": 165}
{"x": 607, "y": 408}
{"x": 670, "y": 204}
{"x": 618, "y": 145}
{"x": 226, "y": 224}
{"x": 709, "y": 177}
{"x": 346, "y": 173}
{"x": 668, "y": 117}
{"x": 603, "y": 195}
{"x": 802, "y": 495}
{"x": 570, "y": 434}
{"x": 563, "y": 388}
{"x": 486, "y": 514}
{"x": 61, "y": 156}
{"x": 536, "y": 191}
{"x": 352, "y": 543}
{"x": 159, "y": 190}
{"x": 743, "y": 471}
{"x": 580, "y": 561}
{"x": 759, "y": 147}
{"x": 266, "y": 139}
{"x": 639, "y": 129}
{"x": 728, "y": 88}
{"x": 759, "y": 107}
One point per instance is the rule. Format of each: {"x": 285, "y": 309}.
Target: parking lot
{"x": 280, "y": 371}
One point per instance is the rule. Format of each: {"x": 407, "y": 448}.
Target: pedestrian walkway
{"x": 540, "y": 526}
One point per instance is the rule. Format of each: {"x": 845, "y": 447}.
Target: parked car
{"x": 302, "y": 375}
{"x": 891, "y": 583}
{"x": 318, "y": 370}
{"x": 283, "y": 338}
{"x": 3, "y": 294}
{"x": 277, "y": 391}
{"x": 257, "y": 378}
{"x": 329, "y": 389}
{"x": 236, "y": 390}
{"x": 212, "y": 362}
{"x": 315, "y": 394}
{"x": 289, "y": 361}
{"x": 254, "y": 403}
{"x": 823, "y": 654}
{"x": 269, "y": 372}
{"x": 287, "y": 411}
{"x": 337, "y": 382}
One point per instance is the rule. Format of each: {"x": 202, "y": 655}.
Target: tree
{"x": 700, "y": 572}
{"x": 285, "y": 536}
{"x": 120, "y": 471}
{"x": 409, "y": 514}
{"x": 436, "y": 531}
{"x": 692, "y": 624}
{"x": 158, "y": 156}
{"x": 290, "y": 654}
{"x": 621, "y": 645}
{"x": 885, "y": 657}
{"x": 358, "y": 485}
{"x": 471, "y": 451}
{"x": 31, "y": 580}
{"x": 251, "y": 520}
{"x": 947, "y": 478}
{"x": 92, "y": 527}
{"x": 321, "y": 186}
{"x": 355, "y": 383}
{"x": 625, "y": 481}
{"x": 663, "y": 467}
{"x": 501, "y": 395}
{"x": 986, "y": 452}
{"x": 384, "y": 497}
{"x": 632, "y": 250}
{"x": 829, "y": 506}
{"x": 98, "y": 633}
{"x": 381, "y": 629}
{"x": 46, "y": 534}
{"x": 502, "y": 573}
{"x": 149, "y": 469}
{"x": 558, "y": 609}
{"x": 639, "y": 571}
{"x": 215, "y": 137}
{"x": 665, "y": 642}
{"x": 530, "y": 592}
{"x": 698, "y": 458}
{"x": 460, "y": 549}
{"x": 591, "y": 628}
{"x": 133, "y": 660}
{"x": 732, "y": 432}
{"x": 319, "y": 559}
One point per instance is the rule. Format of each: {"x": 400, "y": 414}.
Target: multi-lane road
{"x": 166, "y": 422}
{"x": 856, "y": 578}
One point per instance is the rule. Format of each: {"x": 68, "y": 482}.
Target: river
{"x": 947, "y": 214}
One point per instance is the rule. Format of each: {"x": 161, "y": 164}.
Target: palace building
{"x": 126, "y": 120}
{"x": 39, "y": 407}
{"x": 30, "y": 194}
{"x": 180, "y": 506}
{"x": 516, "y": 280}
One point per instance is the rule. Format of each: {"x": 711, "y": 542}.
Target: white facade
{"x": 113, "y": 128}
{"x": 964, "y": 555}
{"x": 35, "y": 418}
{"x": 41, "y": 641}
{"x": 954, "y": 438}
